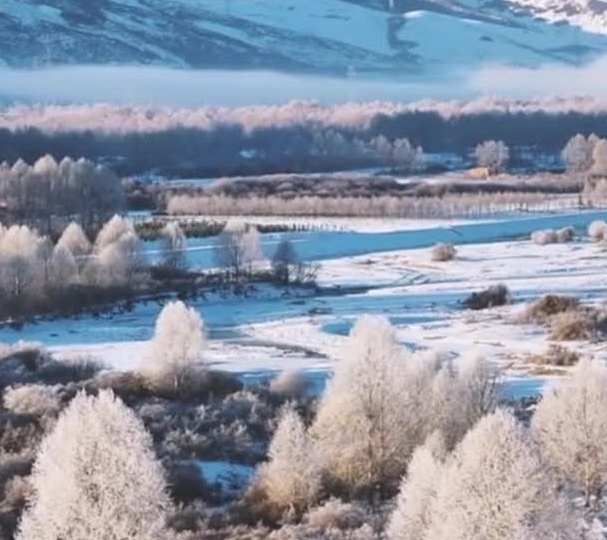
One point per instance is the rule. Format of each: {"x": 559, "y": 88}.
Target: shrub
{"x": 192, "y": 521}
{"x": 29, "y": 355}
{"x": 127, "y": 385}
{"x": 443, "y": 252}
{"x": 551, "y": 304}
{"x": 544, "y": 237}
{"x": 36, "y": 399}
{"x": 556, "y": 355}
{"x": 12, "y": 465}
{"x": 597, "y": 231}
{"x": 496, "y": 295}
{"x": 566, "y": 234}
{"x": 20, "y": 435}
{"x": 576, "y": 325}
{"x": 336, "y": 514}
{"x": 291, "y": 384}
{"x": 17, "y": 492}
{"x": 220, "y": 384}
{"x": 196, "y": 384}
{"x": 62, "y": 372}
{"x": 187, "y": 483}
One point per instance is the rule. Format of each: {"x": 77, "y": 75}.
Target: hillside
{"x": 336, "y": 36}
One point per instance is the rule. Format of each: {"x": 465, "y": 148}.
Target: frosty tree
{"x": 64, "y": 269}
{"x": 118, "y": 264}
{"x": 405, "y": 155}
{"x": 411, "y": 517}
{"x": 442, "y": 407}
{"x": 253, "y": 252}
{"x": 291, "y": 478}
{"x": 21, "y": 271}
{"x": 285, "y": 261}
{"x": 479, "y": 388}
{"x": 96, "y": 477}
{"x": 48, "y": 189}
{"x": 117, "y": 259}
{"x": 177, "y": 348}
{"x": 366, "y": 424}
{"x": 75, "y": 239}
{"x": 577, "y": 154}
{"x": 495, "y": 487}
{"x": 494, "y": 155}
{"x": 457, "y": 396}
{"x": 173, "y": 246}
{"x": 112, "y": 231}
{"x": 599, "y": 158}
{"x": 570, "y": 426}
{"x": 238, "y": 248}
{"x": 382, "y": 147}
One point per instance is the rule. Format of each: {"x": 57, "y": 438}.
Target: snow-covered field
{"x": 415, "y": 287}
{"x": 269, "y": 332}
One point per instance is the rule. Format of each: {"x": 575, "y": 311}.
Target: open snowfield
{"x": 390, "y": 274}
{"x": 422, "y": 297}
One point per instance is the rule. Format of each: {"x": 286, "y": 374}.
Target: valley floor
{"x": 270, "y": 331}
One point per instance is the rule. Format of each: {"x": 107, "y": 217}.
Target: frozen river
{"x": 323, "y": 245}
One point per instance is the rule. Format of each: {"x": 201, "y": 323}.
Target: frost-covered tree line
{"x": 449, "y": 205}
{"x": 245, "y": 140}
{"x": 403, "y": 446}
{"x": 141, "y": 119}
{"x": 36, "y": 273}
{"x": 397, "y": 153}
{"x": 75, "y": 189}
{"x": 39, "y": 275}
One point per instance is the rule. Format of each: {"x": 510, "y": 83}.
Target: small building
{"x": 478, "y": 173}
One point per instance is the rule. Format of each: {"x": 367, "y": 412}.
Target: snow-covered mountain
{"x": 591, "y": 15}
{"x": 396, "y": 36}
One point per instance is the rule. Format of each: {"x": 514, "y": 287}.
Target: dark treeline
{"x": 230, "y": 149}
{"x": 548, "y": 132}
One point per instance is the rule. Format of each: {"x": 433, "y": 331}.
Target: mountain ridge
{"x": 402, "y": 38}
